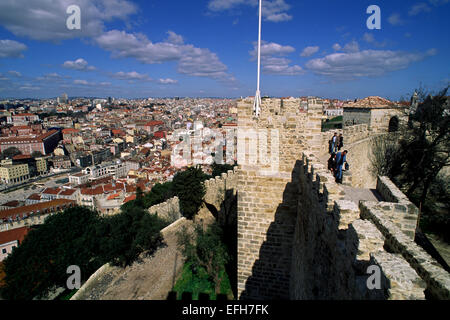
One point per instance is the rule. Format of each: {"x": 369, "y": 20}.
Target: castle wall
{"x": 335, "y": 245}
{"x": 300, "y": 238}
{"x": 267, "y": 195}
{"x": 169, "y": 210}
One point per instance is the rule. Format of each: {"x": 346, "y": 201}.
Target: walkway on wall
{"x": 357, "y": 194}
{"x": 352, "y": 193}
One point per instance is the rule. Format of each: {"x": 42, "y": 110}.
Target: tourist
{"x": 341, "y": 142}
{"x": 334, "y": 142}
{"x": 332, "y": 163}
{"x": 341, "y": 158}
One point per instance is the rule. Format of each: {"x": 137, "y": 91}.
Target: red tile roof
{"x": 70, "y": 130}
{"x": 49, "y": 205}
{"x": 22, "y": 156}
{"x": 13, "y": 204}
{"x": 113, "y": 196}
{"x": 23, "y": 115}
{"x": 154, "y": 123}
{"x": 67, "y": 192}
{"x": 34, "y": 196}
{"x": 13, "y": 235}
{"x": 129, "y": 198}
{"x": 54, "y": 191}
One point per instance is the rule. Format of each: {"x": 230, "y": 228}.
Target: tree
{"x": 158, "y": 194}
{"x": 218, "y": 169}
{"x": 36, "y": 154}
{"x": 11, "y": 152}
{"x": 41, "y": 261}
{"x": 188, "y": 186}
{"x": 129, "y": 233}
{"x": 425, "y": 147}
{"x": 77, "y": 236}
{"x": 205, "y": 250}
{"x": 413, "y": 157}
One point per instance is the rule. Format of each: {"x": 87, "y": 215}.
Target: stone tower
{"x": 268, "y": 148}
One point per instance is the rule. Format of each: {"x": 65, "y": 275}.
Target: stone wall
{"x": 358, "y": 142}
{"x": 334, "y": 245}
{"x": 351, "y": 135}
{"x": 169, "y": 210}
{"x": 215, "y": 188}
{"x": 215, "y": 193}
{"x": 268, "y": 149}
{"x": 298, "y": 235}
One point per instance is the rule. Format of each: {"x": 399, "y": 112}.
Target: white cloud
{"x": 29, "y": 88}
{"x": 82, "y": 82}
{"x": 418, "y": 8}
{"x": 280, "y": 66}
{"x": 191, "y": 60}
{"x": 369, "y": 38}
{"x": 274, "y": 11}
{"x": 79, "y": 64}
{"x": 365, "y": 63}
{"x": 395, "y": 19}
{"x": 15, "y": 73}
{"x": 272, "y": 61}
{"x": 309, "y": 51}
{"x": 425, "y": 7}
{"x": 271, "y": 48}
{"x": 167, "y": 81}
{"x": 337, "y": 47}
{"x": 352, "y": 46}
{"x": 11, "y": 49}
{"x": 133, "y": 75}
{"x": 46, "y": 19}
{"x": 174, "y": 38}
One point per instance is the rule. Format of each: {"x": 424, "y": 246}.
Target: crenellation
{"x": 299, "y": 235}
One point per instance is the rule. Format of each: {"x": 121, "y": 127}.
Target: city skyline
{"x": 134, "y": 49}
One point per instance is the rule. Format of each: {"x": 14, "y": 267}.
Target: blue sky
{"x": 130, "y": 48}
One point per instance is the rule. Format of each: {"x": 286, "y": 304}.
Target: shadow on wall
{"x": 271, "y": 271}
{"x": 305, "y": 256}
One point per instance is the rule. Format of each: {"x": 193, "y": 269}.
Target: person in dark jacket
{"x": 334, "y": 143}
{"x": 341, "y": 158}
{"x": 332, "y": 163}
{"x": 341, "y": 142}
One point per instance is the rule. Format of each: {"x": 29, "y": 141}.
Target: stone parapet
{"x": 436, "y": 278}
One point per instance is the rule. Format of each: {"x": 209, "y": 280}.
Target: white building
{"x": 79, "y": 178}
{"x": 117, "y": 170}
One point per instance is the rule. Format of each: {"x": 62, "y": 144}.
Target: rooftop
{"x": 13, "y": 235}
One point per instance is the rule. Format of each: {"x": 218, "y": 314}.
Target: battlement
{"x": 299, "y": 234}
{"x": 168, "y": 210}
{"x": 373, "y": 234}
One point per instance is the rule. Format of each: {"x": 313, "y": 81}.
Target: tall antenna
{"x": 257, "y": 102}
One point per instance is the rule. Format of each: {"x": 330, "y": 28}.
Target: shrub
{"x": 188, "y": 186}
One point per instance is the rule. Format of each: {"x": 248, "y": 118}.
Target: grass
{"x": 199, "y": 283}
{"x": 336, "y": 119}
{"x": 66, "y": 295}
{"x": 334, "y": 123}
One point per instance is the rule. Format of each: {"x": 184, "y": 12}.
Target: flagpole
{"x": 257, "y": 102}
